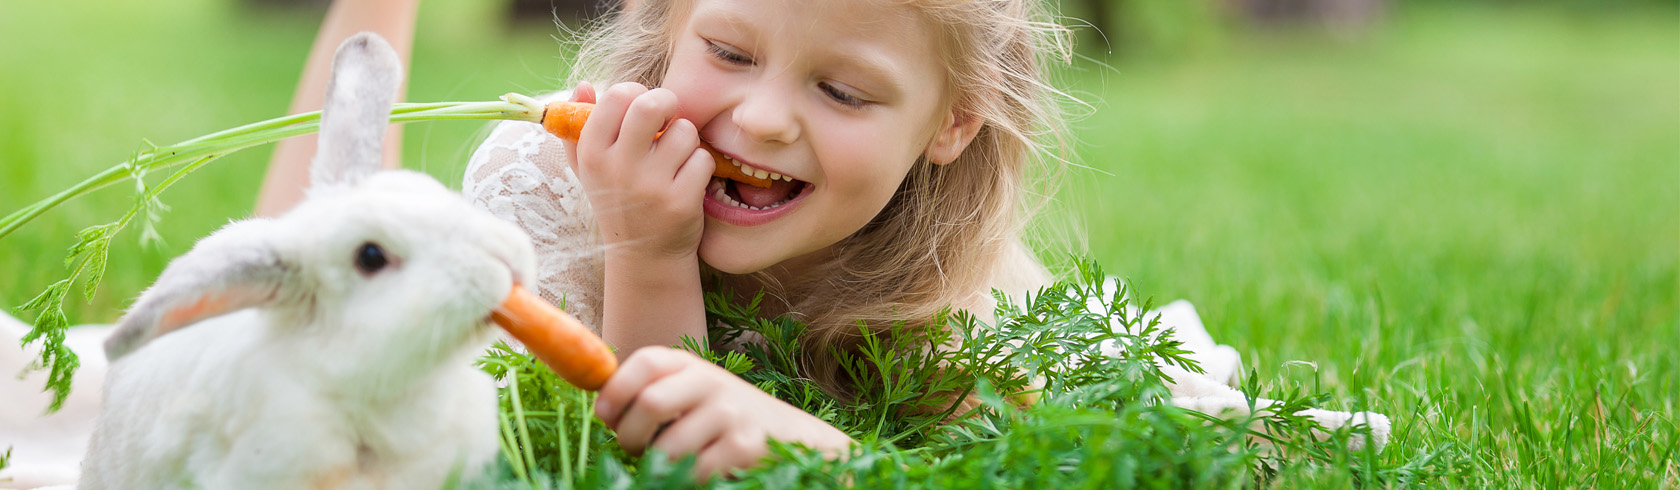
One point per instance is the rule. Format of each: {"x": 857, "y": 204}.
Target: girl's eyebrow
{"x": 881, "y": 73}
{"x": 715, "y": 15}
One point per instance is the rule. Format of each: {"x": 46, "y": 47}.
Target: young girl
{"x": 898, "y": 135}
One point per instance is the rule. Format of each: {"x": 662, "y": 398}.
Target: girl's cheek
{"x": 708, "y": 98}
{"x": 701, "y": 89}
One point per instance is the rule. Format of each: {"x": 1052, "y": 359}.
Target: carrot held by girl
{"x": 566, "y": 119}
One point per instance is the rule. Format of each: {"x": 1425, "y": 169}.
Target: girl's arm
{"x": 647, "y": 202}
{"x": 651, "y": 301}
{"x": 288, "y": 169}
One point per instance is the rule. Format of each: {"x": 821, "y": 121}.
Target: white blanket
{"x": 47, "y": 450}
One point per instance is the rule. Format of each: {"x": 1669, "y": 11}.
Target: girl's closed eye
{"x": 841, "y": 96}
{"x": 727, "y": 53}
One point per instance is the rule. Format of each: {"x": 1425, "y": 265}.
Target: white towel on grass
{"x": 1213, "y": 392}
{"x": 47, "y": 450}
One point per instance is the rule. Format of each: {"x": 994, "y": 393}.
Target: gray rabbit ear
{"x": 230, "y": 270}
{"x": 365, "y": 77}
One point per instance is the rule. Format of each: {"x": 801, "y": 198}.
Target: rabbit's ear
{"x": 230, "y": 270}
{"x": 365, "y": 77}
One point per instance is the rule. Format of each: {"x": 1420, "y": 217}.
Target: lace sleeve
{"x": 522, "y": 174}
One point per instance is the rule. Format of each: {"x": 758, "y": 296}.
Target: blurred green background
{"x": 1467, "y": 213}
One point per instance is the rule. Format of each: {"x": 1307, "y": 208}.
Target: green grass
{"x": 1469, "y": 219}
{"x": 95, "y": 83}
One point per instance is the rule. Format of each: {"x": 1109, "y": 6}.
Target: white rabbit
{"x": 329, "y": 348}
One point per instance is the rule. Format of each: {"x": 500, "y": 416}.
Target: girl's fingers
{"x": 585, "y": 92}
{"x": 724, "y": 456}
{"x": 690, "y": 433}
{"x": 647, "y": 115}
{"x": 695, "y": 174}
{"x": 608, "y": 116}
{"x": 661, "y": 402}
{"x": 680, "y": 138}
{"x": 681, "y": 143}
{"x": 642, "y": 368}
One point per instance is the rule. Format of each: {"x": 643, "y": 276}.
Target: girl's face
{"x": 838, "y": 96}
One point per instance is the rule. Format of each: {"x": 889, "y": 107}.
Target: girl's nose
{"x": 767, "y": 115}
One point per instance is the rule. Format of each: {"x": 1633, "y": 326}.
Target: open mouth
{"x": 750, "y": 188}
{"x": 739, "y": 202}
{"x": 747, "y": 197}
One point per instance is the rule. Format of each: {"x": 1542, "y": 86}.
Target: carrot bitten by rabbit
{"x": 559, "y": 340}
{"x": 565, "y": 120}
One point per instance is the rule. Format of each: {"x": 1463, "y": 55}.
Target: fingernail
{"x": 601, "y": 406}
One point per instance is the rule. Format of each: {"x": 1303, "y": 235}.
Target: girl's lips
{"x": 740, "y": 216}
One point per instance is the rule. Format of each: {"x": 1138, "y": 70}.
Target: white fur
{"x": 219, "y": 407}
{"x": 313, "y": 373}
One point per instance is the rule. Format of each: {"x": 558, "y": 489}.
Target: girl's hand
{"x": 647, "y": 192}
{"x": 675, "y": 401}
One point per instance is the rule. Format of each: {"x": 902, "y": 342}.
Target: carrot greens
{"x": 1101, "y": 421}
{"x": 87, "y": 258}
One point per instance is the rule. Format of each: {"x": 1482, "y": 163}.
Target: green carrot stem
{"x": 512, "y": 107}
{"x": 88, "y": 255}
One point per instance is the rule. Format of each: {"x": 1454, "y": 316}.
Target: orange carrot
{"x": 559, "y": 340}
{"x": 565, "y": 119}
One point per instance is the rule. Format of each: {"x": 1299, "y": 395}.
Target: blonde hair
{"x": 950, "y": 230}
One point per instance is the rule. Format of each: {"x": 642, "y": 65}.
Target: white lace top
{"x": 522, "y": 174}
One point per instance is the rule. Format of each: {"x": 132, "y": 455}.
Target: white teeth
{"x": 723, "y": 197}
{"x": 757, "y": 172}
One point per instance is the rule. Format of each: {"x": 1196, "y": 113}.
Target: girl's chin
{"x": 732, "y": 251}
{"x": 730, "y": 259}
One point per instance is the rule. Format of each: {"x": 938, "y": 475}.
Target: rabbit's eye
{"x": 370, "y": 258}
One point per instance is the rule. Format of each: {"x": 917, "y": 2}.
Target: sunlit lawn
{"x": 1470, "y": 221}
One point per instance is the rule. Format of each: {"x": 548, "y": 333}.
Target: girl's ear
{"x": 955, "y": 133}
